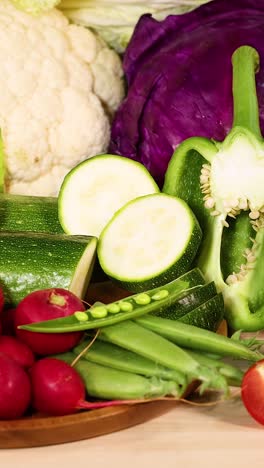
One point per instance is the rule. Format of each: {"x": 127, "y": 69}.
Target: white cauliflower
{"x": 59, "y": 86}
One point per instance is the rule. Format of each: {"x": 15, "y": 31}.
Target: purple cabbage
{"x": 179, "y": 78}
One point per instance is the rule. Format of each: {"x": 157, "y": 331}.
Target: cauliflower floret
{"x": 60, "y": 85}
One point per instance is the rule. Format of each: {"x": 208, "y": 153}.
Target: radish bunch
{"x": 45, "y": 384}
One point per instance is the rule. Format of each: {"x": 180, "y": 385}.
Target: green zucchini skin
{"x": 207, "y": 315}
{"x": 29, "y": 213}
{"x": 32, "y": 261}
{"x": 188, "y": 302}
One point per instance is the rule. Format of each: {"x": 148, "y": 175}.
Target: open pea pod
{"x": 134, "y": 306}
{"x": 223, "y": 184}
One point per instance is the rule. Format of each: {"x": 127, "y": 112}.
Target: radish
{"x": 58, "y": 389}
{"x": 7, "y": 322}
{"x": 2, "y": 300}
{"x": 43, "y": 305}
{"x": 17, "y": 350}
{"x": 15, "y": 388}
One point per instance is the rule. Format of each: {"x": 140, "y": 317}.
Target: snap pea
{"x": 233, "y": 374}
{"x": 198, "y": 339}
{"x": 133, "y": 337}
{"x": 103, "y": 315}
{"x": 113, "y": 356}
{"x": 112, "y": 384}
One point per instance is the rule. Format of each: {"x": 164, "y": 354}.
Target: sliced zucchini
{"x": 95, "y": 189}
{"x": 31, "y": 261}
{"x": 189, "y": 302}
{"x": 149, "y": 242}
{"x": 207, "y": 315}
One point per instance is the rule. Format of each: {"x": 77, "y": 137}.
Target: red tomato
{"x": 252, "y": 391}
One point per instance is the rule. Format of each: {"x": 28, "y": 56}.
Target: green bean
{"x": 198, "y": 339}
{"x": 113, "y": 356}
{"x": 111, "y": 384}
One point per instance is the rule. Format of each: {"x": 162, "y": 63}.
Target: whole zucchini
{"x": 31, "y": 261}
{"x": 29, "y": 213}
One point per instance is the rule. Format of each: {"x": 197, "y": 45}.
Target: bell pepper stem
{"x": 245, "y": 61}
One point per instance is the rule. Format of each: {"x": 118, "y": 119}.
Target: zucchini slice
{"x": 149, "y": 242}
{"x": 207, "y": 315}
{"x": 95, "y": 189}
{"x": 188, "y": 302}
{"x": 31, "y": 261}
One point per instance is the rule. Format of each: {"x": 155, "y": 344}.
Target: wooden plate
{"x": 37, "y": 431}
{"x": 43, "y": 431}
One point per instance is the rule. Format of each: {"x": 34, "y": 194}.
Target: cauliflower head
{"x": 60, "y": 85}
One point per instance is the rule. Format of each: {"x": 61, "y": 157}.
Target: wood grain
{"x": 42, "y": 431}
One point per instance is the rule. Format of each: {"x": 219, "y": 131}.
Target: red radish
{"x": 43, "y": 305}
{"x": 59, "y": 390}
{"x": 7, "y": 320}
{"x": 2, "y": 300}
{"x": 252, "y": 391}
{"x": 15, "y": 388}
{"x": 17, "y": 350}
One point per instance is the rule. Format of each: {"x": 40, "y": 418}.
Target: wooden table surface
{"x": 187, "y": 436}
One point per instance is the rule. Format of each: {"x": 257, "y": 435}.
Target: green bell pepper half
{"x": 223, "y": 183}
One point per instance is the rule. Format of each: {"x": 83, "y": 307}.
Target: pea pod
{"x": 132, "y": 336}
{"x": 198, "y": 339}
{"x": 107, "y": 354}
{"x": 112, "y": 384}
{"x": 233, "y": 374}
{"x": 131, "y": 307}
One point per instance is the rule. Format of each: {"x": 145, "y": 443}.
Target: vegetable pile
{"x": 185, "y": 254}
{"x": 134, "y": 360}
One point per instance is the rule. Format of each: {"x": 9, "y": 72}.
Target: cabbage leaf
{"x": 114, "y": 21}
{"x": 179, "y": 79}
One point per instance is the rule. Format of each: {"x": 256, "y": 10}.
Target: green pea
{"x": 143, "y": 299}
{"x": 98, "y": 312}
{"x": 126, "y": 306}
{"x": 160, "y": 295}
{"x": 81, "y": 316}
{"x": 113, "y": 308}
